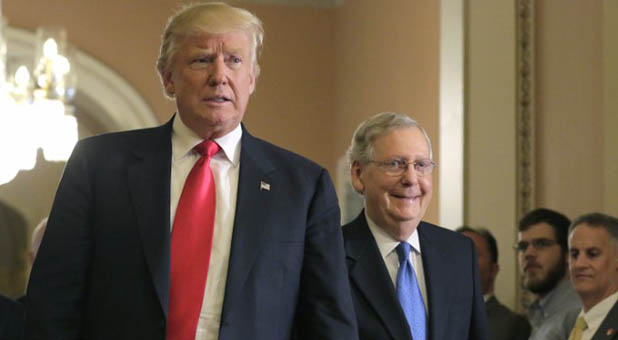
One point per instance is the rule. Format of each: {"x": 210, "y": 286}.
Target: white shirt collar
{"x": 386, "y": 243}
{"x": 184, "y": 140}
{"x": 595, "y": 316}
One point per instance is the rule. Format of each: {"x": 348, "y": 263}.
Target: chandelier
{"x": 35, "y": 107}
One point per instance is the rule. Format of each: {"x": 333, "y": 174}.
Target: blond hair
{"x": 213, "y": 18}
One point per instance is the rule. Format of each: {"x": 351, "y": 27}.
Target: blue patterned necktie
{"x": 409, "y": 294}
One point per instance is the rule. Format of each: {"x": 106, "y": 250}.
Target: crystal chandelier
{"x": 35, "y": 110}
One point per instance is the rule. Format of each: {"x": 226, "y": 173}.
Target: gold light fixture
{"x": 36, "y": 111}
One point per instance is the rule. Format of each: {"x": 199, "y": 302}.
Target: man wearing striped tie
{"x": 593, "y": 263}
{"x": 409, "y": 279}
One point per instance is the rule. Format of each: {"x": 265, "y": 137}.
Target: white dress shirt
{"x": 595, "y": 316}
{"x": 225, "y": 166}
{"x": 387, "y": 246}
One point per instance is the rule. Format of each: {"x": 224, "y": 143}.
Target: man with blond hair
{"x": 194, "y": 230}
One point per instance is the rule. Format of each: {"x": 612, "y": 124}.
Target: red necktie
{"x": 190, "y": 246}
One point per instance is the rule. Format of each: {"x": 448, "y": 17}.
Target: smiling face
{"x": 395, "y": 203}
{"x": 211, "y": 77}
{"x": 593, "y": 263}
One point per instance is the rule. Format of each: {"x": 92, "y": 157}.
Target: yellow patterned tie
{"x": 580, "y": 326}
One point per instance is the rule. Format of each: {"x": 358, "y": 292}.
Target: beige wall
{"x": 387, "y": 59}
{"x": 490, "y": 116}
{"x": 570, "y": 106}
{"x": 574, "y": 131}
{"x": 292, "y": 105}
{"x": 610, "y": 82}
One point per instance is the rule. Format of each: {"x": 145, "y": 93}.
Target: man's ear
{"x": 168, "y": 83}
{"x": 495, "y": 269}
{"x": 355, "y": 177}
{"x": 252, "y": 80}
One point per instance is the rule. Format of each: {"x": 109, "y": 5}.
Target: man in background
{"x": 503, "y": 323}
{"x": 410, "y": 279}
{"x": 542, "y": 255}
{"x": 593, "y": 264}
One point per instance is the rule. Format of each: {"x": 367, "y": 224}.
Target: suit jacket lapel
{"x": 609, "y": 327}
{"x": 252, "y": 211}
{"x": 369, "y": 274}
{"x": 436, "y": 269}
{"x": 149, "y": 183}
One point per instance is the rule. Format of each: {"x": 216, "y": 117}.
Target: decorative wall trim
{"x": 452, "y": 150}
{"x": 525, "y": 107}
{"x": 525, "y": 121}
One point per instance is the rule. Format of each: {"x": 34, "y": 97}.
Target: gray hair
{"x": 361, "y": 147}
{"x": 209, "y": 17}
{"x": 598, "y": 220}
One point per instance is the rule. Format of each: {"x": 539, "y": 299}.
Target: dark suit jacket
{"x": 102, "y": 271}
{"x": 455, "y": 304}
{"x": 505, "y": 324}
{"x": 609, "y": 327}
{"x": 11, "y": 319}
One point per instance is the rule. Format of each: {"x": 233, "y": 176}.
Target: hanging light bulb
{"x": 50, "y": 48}
{"x": 35, "y": 109}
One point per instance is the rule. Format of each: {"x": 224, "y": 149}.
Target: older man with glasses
{"x": 542, "y": 253}
{"x": 409, "y": 279}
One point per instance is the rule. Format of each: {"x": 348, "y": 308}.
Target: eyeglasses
{"x": 396, "y": 167}
{"x": 538, "y": 244}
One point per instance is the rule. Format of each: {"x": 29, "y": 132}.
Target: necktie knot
{"x": 403, "y": 252}
{"x": 578, "y": 329}
{"x": 207, "y": 148}
{"x": 581, "y": 323}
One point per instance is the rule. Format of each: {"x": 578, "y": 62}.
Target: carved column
{"x": 525, "y": 116}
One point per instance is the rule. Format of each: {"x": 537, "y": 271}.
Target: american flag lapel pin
{"x": 264, "y": 186}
